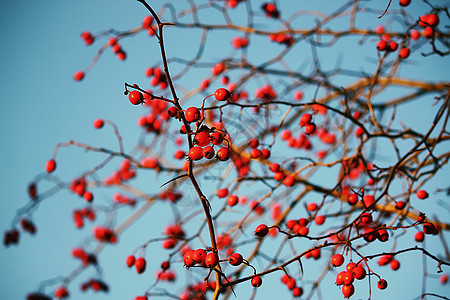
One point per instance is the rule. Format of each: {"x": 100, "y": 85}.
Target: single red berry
{"x": 337, "y": 260}
{"x": 192, "y": 114}
{"x": 359, "y": 132}
{"x": 223, "y": 154}
{"x": 383, "y": 235}
{"x": 404, "y": 2}
{"x": 199, "y": 256}
{"x": 202, "y": 138}
{"x": 179, "y": 154}
{"x": 255, "y": 153}
{"x": 235, "y": 259}
{"x": 50, "y": 166}
{"x": 297, "y": 291}
{"x": 61, "y": 292}
{"x": 319, "y": 219}
{"x": 348, "y": 290}
{"x": 382, "y": 45}
{"x": 216, "y": 138}
{"x": 188, "y": 258}
{"x": 195, "y": 153}
{"x": 359, "y": 272}
{"x": 135, "y": 97}
{"x": 140, "y": 264}
{"x": 222, "y": 193}
{"x": 422, "y": 194}
{"x": 310, "y": 128}
{"x": 419, "y": 236}
{"x": 165, "y": 265}
{"x": 429, "y": 228}
{"x": 208, "y": 152}
{"x": 172, "y": 111}
{"x": 382, "y": 284}
{"x": 256, "y": 281}
{"x": 404, "y": 52}
{"x": 262, "y": 230}
{"x": 222, "y": 94}
{"x": 368, "y": 200}
{"x": 400, "y": 205}
{"x": 130, "y": 260}
{"x": 88, "y": 196}
{"x": 352, "y": 199}
{"x": 232, "y": 200}
{"x": 78, "y": 75}
{"x": 98, "y": 123}
{"x": 211, "y": 260}
{"x": 415, "y": 34}
{"x": 392, "y": 46}
{"x": 311, "y": 206}
{"x": 395, "y": 264}
{"x": 289, "y": 180}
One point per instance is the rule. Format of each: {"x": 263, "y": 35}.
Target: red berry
{"x": 383, "y": 235}
{"x": 208, "y": 152}
{"x": 232, "y": 200}
{"x": 216, "y": 138}
{"x": 98, "y": 123}
{"x": 305, "y": 119}
{"x": 50, "y": 166}
{"x": 348, "y": 290}
{"x": 78, "y": 75}
{"x": 130, "y": 260}
{"x": 255, "y": 153}
{"x": 202, "y": 138}
{"x": 179, "y": 154}
{"x": 310, "y": 128}
{"x": 256, "y": 281}
{"x": 395, "y": 264}
{"x": 297, "y": 291}
{"x": 165, "y": 265}
{"x": 368, "y": 200}
{"x": 195, "y": 153}
{"x": 289, "y": 180}
{"x": 222, "y": 94}
{"x": 235, "y": 259}
{"x": 337, "y": 260}
{"x": 340, "y": 278}
{"x": 135, "y": 97}
{"x": 419, "y": 236}
{"x": 348, "y": 278}
{"x": 188, "y": 258}
{"x": 400, "y": 205}
{"x": 298, "y": 95}
{"x": 199, "y": 256}
{"x": 392, "y": 46}
{"x": 382, "y": 284}
{"x": 222, "y": 193}
{"x": 140, "y": 265}
{"x": 192, "y": 114}
{"x": 223, "y": 154}
{"x": 382, "y": 45}
{"x": 211, "y": 260}
{"x": 359, "y": 272}
{"x": 404, "y": 52}
{"x": 429, "y": 228}
{"x": 422, "y": 194}
{"x": 262, "y": 230}
{"x": 352, "y": 199}
{"x": 404, "y": 2}
{"x": 415, "y": 35}
{"x": 88, "y": 196}
{"x": 172, "y": 111}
